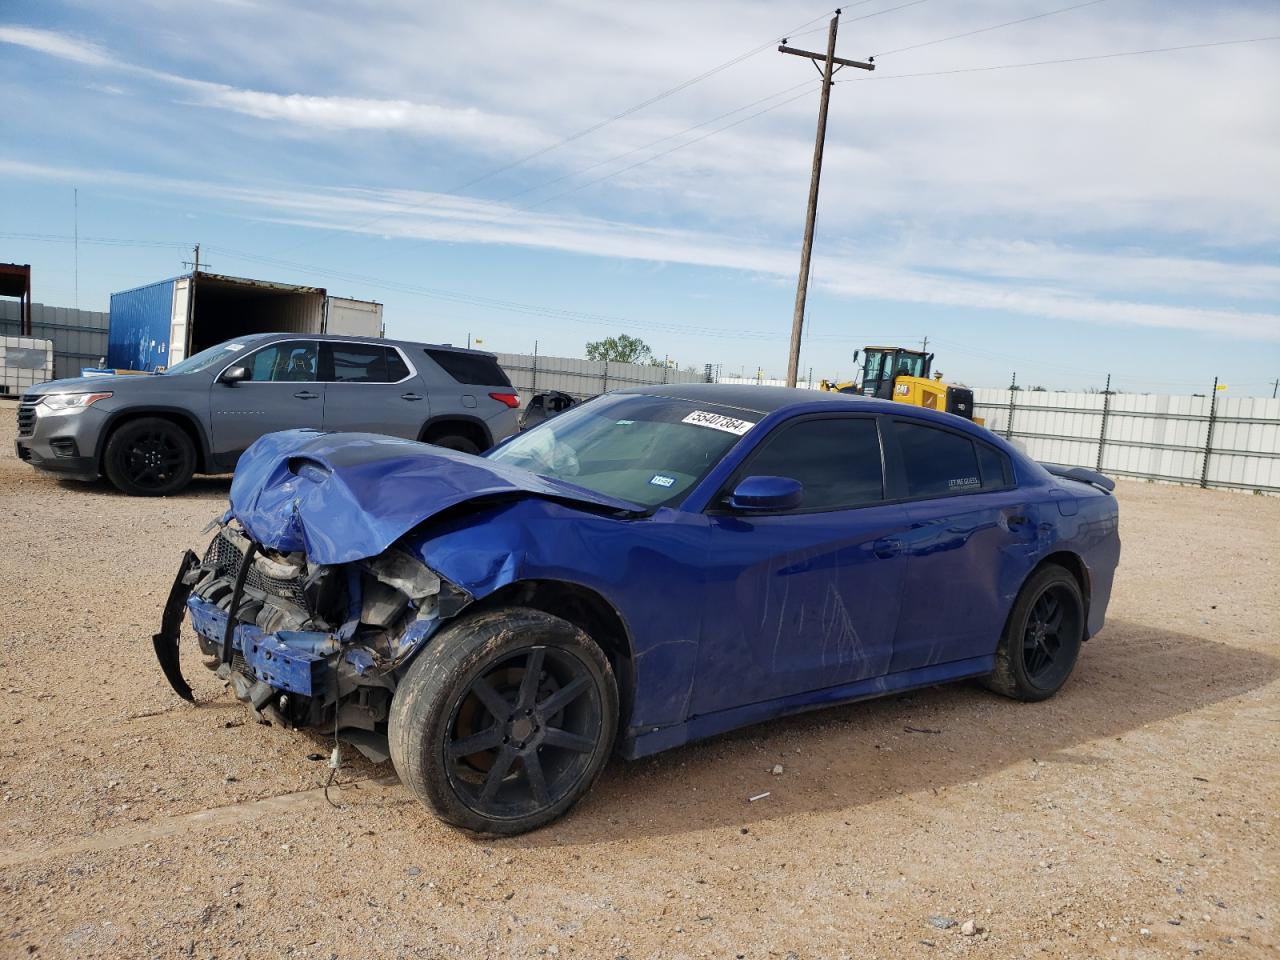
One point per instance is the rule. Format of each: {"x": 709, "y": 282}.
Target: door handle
{"x": 410, "y": 396}
{"x": 307, "y": 395}
{"x": 886, "y": 548}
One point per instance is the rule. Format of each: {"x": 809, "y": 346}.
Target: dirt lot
{"x": 1134, "y": 815}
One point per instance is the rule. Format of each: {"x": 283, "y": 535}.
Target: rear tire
{"x": 455, "y": 442}
{"x": 149, "y": 457}
{"x": 504, "y": 721}
{"x": 1042, "y": 638}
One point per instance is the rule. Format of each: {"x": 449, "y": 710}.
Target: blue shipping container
{"x": 138, "y": 337}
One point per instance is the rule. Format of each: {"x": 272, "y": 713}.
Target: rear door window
{"x": 937, "y": 463}
{"x": 355, "y": 363}
{"x": 472, "y": 368}
{"x": 836, "y": 459}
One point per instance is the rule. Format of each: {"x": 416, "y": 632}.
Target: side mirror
{"x": 233, "y": 375}
{"x": 767, "y": 494}
{"x": 856, "y": 354}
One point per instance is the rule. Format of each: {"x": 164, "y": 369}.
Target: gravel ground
{"x": 1134, "y": 815}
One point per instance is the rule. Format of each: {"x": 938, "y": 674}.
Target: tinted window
{"x": 836, "y": 460}
{"x": 289, "y": 361}
{"x": 996, "y": 474}
{"x": 937, "y": 462}
{"x": 470, "y": 367}
{"x": 355, "y": 363}
{"x": 397, "y": 369}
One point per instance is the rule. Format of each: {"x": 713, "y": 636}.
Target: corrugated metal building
{"x": 79, "y": 336}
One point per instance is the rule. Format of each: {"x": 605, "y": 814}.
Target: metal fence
{"x": 534, "y": 373}
{"x": 1210, "y": 440}
{"x": 79, "y": 336}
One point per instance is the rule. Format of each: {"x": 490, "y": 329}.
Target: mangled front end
{"x": 304, "y": 602}
{"x": 309, "y": 645}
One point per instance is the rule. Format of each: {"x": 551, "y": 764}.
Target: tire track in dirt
{"x": 237, "y": 814}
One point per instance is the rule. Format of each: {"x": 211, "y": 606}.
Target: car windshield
{"x": 208, "y": 358}
{"x": 648, "y": 450}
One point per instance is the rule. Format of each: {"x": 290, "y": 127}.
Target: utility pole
{"x": 831, "y": 64}
{"x": 924, "y": 345}
{"x": 76, "y": 203}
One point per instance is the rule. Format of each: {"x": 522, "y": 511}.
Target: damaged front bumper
{"x": 305, "y": 645}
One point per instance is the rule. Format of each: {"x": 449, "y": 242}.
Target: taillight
{"x": 510, "y": 399}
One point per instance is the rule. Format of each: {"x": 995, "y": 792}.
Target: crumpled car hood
{"x": 345, "y": 496}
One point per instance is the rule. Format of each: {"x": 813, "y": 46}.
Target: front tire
{"x": 1042, "y": 639}
{"x": 149, "y": 457}
{"x": 504, "y": 721}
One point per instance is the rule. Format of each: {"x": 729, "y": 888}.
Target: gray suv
{"x": 150, "y": 433}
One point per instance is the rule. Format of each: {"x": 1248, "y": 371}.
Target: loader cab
{"x": 883, "y": 365}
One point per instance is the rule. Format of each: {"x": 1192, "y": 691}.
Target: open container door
{"x": 224, "y": 308}
{"x": 179, "y": 318}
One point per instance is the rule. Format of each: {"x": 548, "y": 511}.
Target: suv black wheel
{"x": 454, "y": 442}
{"x": 149, "y": 457}
{"x": 504, "y": 721}
{"x": 1042, "y": 639}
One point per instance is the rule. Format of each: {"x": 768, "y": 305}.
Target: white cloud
{"x": 468, "y": 124}
{"x": 56, "y": 44}
{"x": 917, "y": 279}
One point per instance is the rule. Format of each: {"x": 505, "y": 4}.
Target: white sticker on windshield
{"x": 660, "y": 481}
{"x": 718, "y": 421}
{"x": 625, "y": 423}
{"x": 235, "y": 346}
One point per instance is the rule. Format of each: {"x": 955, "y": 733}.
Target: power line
{"x": 104, "y": 241}
{"x": 1044, "y": 63}
{"x": 998, "y": 26}
{"x": 865, "y": 16}
{"x": 700, "y": 125}
{"x": 587, "y": 131}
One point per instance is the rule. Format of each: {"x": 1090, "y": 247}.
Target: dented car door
{"x": 807, "y": 598}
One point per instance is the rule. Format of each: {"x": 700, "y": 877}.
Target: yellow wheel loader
{"x": 895, "y": 373}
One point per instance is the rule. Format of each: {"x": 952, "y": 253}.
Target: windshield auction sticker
{"x": 717, "y": 421}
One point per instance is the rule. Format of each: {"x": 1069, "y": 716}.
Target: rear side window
{"x": 836, "y": 460}
{"x": 994, "y": 465}
{"x": 397, "y": 369}
{"x": 362, "y": 363}
{"x": 470, "y": 367}
{"x": 937, "y": 462}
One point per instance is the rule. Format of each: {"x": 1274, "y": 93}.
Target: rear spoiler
{"x": 1081, "y": 475}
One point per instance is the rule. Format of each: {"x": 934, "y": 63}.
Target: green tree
{"x": 620, "y": 349}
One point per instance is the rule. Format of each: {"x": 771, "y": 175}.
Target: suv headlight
{"x": 69, "y": 402}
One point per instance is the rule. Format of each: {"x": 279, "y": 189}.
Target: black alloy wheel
{"x": 504, "y": 720}
{"x": 1042, "y": 638}
{"x": 523, "y": 733}
{"x": 149, "y": 457}
{"x": 1051, "y": 637}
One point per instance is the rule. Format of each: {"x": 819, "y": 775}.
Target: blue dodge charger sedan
{"x": 658, "y": 565}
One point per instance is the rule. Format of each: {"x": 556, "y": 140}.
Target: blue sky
{"x": 1062, "y": 221}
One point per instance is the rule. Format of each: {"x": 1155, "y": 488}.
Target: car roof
{"x": 750, "y": 396}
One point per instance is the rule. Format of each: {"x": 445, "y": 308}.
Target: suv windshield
{"x": 649, "y": 450}
{"x": 208, "y": 358}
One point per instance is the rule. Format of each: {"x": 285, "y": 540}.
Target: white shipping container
{"x": 353, "y": 318}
